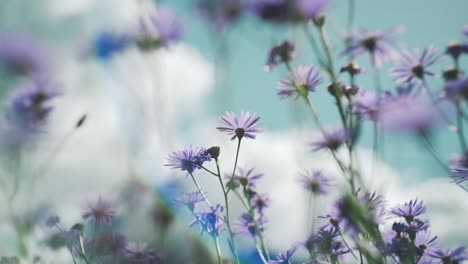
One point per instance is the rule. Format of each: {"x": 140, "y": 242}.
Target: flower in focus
{"x": 188, "y": 159}
{"x": 281, "y": 53}
{"x": 409, "y": 210}
{"x": 379, "y": 44}
{"x": 22, "y": 55}
{"x": 140, "y": 253}
{"x": 414, "y": 65}
{"x": 210, "y": 222}
{"x": 330, "y": 140}
{"x": 449, "y": 256}
{"x": 315, "y": 181}
{"x": 191, "y": 199}
{"x": 100, "y": 212}
{"x": 221, "y": 14}
{"x": 304, "y": 79}
{"x": 161, "y": 29}
{"x": 284, "y": 257}
{"x": 246, "y": 126}
{"x": 424, "y": 242}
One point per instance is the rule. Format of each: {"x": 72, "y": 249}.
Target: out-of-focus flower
{"x": 52, "y": 220}
{"x": 409, "y": 114}
{"x": 284, "y": 52}
{"x": 465, "y": 30}
{"x": 210, "y": 222}
{"x": 284, "y": 257}
{"x": 159, "y": 29}
{"x": 111, "y": 243}
{"x": 107, "y": 44}
{"x": 449, "y": 256}
{"x": 352, "y": 69}
{"x": 410, "y": 210}
{"x": 366, "y": 104}
{"x": 457, "y": 88}
{"x": 315, "y": 181}
{"x": 455, "y": 49}
{"x": 325, "y": 242}
{"x": 100, "y": 212}
{"x": 140, "y": 253}
{"x": 221, "y": 14}
{"x": 331, "y": 139}
{"x": 260, "y": 202}
{"x": 379, "y": 44}
{"x": 414, "y": 65}
{"x": 30, "y": 106}
{"x": 188, "y": 159}
{"x": 246, "y": 176}
{"x": 246, "y": 225}
{"x": 191, "y": 199}
{"x": 246, "y": 126}
{"x": 304, "y": 79}
{"x": 22, "y": 55}
{"x": 459, "y": 175}
{"x": 281, "y": 11}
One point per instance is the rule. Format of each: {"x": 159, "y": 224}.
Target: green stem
{"x": 432, "y": 151}
{"x": 235, "y": 162}
{"x": 314, "y": 45}
{"x": 228, "y": 221}
{"x": 347, "y": 245}
{"x": 218, "y": 250}
{"x": 200, "y": 190}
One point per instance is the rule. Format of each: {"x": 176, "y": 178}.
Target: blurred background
{"x": 141, "y": 106}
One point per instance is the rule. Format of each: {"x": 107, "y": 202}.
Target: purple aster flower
{"x": 30, "y": 104}
{"x": 140, "y": 253}
{"x": 221, "y": 14}
{"x": 455, "y": 49}
{"x": 210, "y": 222}
{"x": 459, "y": 175}
{"x": 111, "y": 243}
{"x": 315, "y": 181}
{"x": 414, "y": 65}
{"x": 191, "y": 199}
{"x": 188, "y": 159}
{"x": 366, "y": 104}
{"x": 352, "y": 69}
{"x": 100, "y": 212}
{"x": 246, "y": 226}
{"x": 304, "y": 79}
{"x": 330, "y": 140}
{"x": 284, "y": 257}
{"x": 325, "y": 242}
{"x": 311, "y": 9}
{"x": 246, "y": 176}
{"x": 162, "y": 28}
{"x": 449, "y": 256}
{"x": 246, "y": 126}
{"x": 22, "y": 55}
{"x": 409, "y": 210}
{"x": 284, "y": 52}
{"x": 425, "y": 242}
{"x": 409, "y": 114}
{"x": 457, "y": 88}
{"x": 260, "y": 202}
{"x": 379, "y": 44}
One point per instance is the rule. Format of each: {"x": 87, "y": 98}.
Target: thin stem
{"x": 96, "y": 227}
{"x": 209, "y": 171}
{"x": 460, "y": 127}
{"x": 260, "y": 253}
{"x": 432, "y": 151}
{"x": 314, "y": 213}
{"x": 228, "y": 221}
{"x": 235, "y": 162}
{"x": 347, "y": 245}
{"x": 313, "y": 44}
{"x": 200, "y": 190}
{"x": 218, "y": 249}
{"x": 315, "y": 115}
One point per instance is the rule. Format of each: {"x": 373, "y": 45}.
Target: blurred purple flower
{"x": 281, "y": 11}
{"x": 459, "y": 174}
{"x": 162, "y": 28}
{"x": 315, "y": 181}
{"x": 465, "y": 30}
{"x": 332, "y": 140}
{"x": 246, "y": 225}
{"x": 210, "y": 222}
{"x": 108, "y": 44}
{"x": 140, "y": 253}
{"x": 111, "y": 243}
{"x": 260, "y": 202}
{"x": 379, "y": 44}
{"x": 284, "y": 257}
{"x": 414, "y": 65}
{"x": 52, "y": 220}
{"x": 246, "y": 176}
{"x": 188, "y": 159}
{"x": 310, "y": 9}
{"x": 191, "y": 199}
{"x": 367, "y": 105}
{"x": 100, "y": 212}
{"x": 352, "y": 69}
{"x": 304, "y": 79}
{"x": 22, "y": 55}
{"x": 284, "y": 52}
{"x": 246, "y": 126}
{"x": 221, "y": 14}
{"x": 325, "y": 242}
{"x": 409, "y": 210}
{"x": 457, "y": 88}
{"x": 449, "y": 256}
